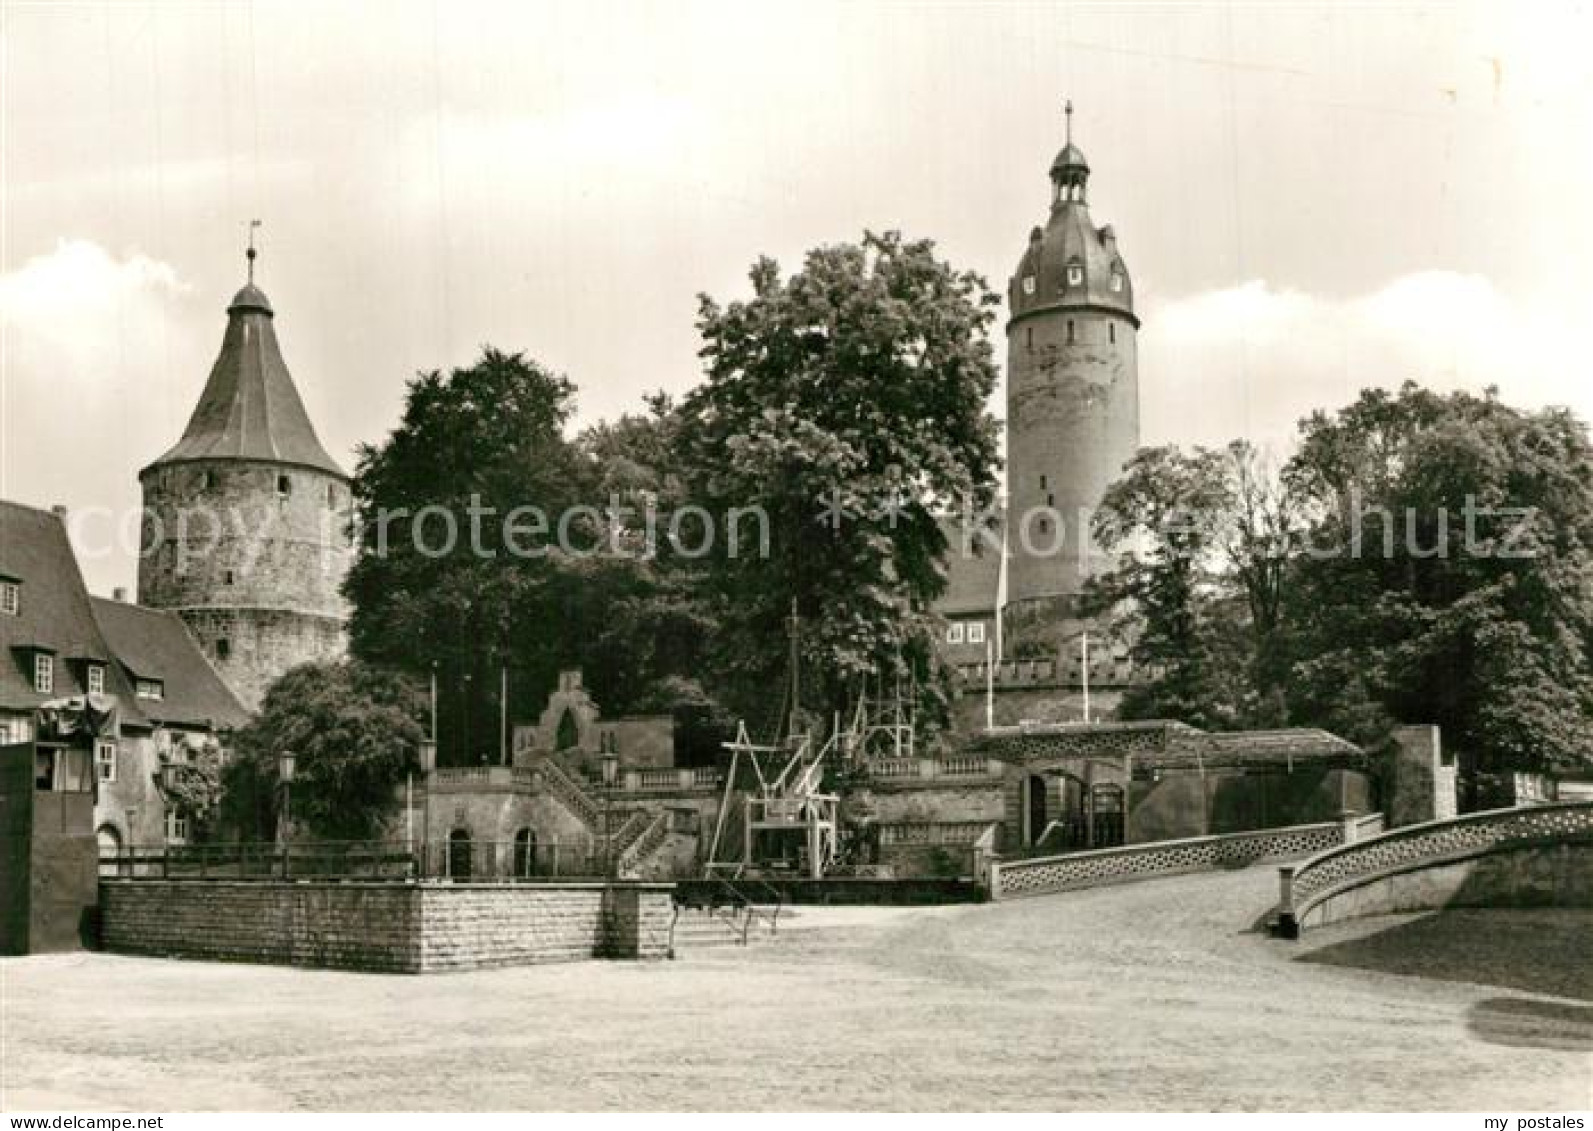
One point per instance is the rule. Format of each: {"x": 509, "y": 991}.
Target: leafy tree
{"x": 354, "y": 730}
{"x": 196, "y": 788}
{"x": 1448, "y": 566}
{"x": 846, "y": 403}
{"x": 1163, "y": 518}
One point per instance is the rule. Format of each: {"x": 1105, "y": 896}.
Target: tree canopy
{"x": 846, "y": 405}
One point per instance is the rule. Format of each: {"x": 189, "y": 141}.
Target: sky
{"x": 1311, "y": 199}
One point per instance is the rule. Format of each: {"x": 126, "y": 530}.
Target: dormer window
{"x": 11, "y": 598}
{"x": 1117, "y": 281}
{"x": 1075, "y": 274}
{"x": 43, "y": 673}
{"x": 149, "y": 689}
{"x": 1028, "y": 284}
{"x": 95, "y": 680}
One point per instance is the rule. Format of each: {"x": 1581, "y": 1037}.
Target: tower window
{"x": 1042, "y": 483}
{"x": 1071, "y": 338}
{"x": 1075, "y": 275}
{"x": 226, "y": 578}
{"x": 1111, "y": 332}
{"x": 223, "y": 648}
{"x": 1029, "y": 338}
{"x": 331, "y": 495}
{"x": 284, "y": 486}
{"x": 1117, "y": 280}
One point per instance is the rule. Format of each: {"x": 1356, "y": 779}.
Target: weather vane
{"x": 251, "y": 253}
{"x": 1067, "y": 109}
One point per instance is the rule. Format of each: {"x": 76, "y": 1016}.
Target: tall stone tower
{"x": 246, "y": 517}
{"x": 1072, "y": 400}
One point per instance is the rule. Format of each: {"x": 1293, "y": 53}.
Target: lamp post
{"x": 610, "y": 761}
{"x": 428, "y": 763}
{"x": 286, "y": 763}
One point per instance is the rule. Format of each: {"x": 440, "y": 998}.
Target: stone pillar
{"x": 1417, "y": 783}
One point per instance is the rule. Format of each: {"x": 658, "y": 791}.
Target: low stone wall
{"x": 1539, "y": 856}
{"x": 395, "y": 927}
{"x": 1046, "y": 874}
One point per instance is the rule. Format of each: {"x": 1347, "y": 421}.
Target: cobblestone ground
{"x": 1152, "y": 995}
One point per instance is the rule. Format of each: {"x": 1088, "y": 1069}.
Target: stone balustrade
{"x": 1046, "y": 874}
{"x": 1305, "y": 888}
{"x": 900, "y": 769}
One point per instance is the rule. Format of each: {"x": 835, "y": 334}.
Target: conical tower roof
{"x": 250, "y": 409}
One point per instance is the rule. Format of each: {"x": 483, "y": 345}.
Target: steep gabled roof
{"x": 250, "y": 408}
{"x": 156, "y": 645}
{"x": 53, "y": 613}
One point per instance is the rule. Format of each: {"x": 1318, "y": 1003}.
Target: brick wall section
{"x": 399, "y": 928}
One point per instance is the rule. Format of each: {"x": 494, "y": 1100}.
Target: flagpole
{"x": 1084, "y": 643}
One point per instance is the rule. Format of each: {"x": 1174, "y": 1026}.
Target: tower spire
{"x": 251, "y": 253}
{"x": 1067, "y": 109}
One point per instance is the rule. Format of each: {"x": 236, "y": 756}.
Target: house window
{"x": 10, "y": 598}
{"x": 96, "y": 679}
{"x": 207, "y": 480}
{"x": 976, "y": 632}
{"x": 1075, "y": 274}
{"x": 284, "y": 486}
{"x": 149, "y": 689}
{"x": 954, "y": 634}
{"x": 105, "y": 760}
{"x": 176, "y": 826}
{"x": 223, "y": 648}
{"x": 43, "y": 673}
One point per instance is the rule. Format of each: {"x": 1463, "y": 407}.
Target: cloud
{"x": 1252, "y": 360}
{"x": 84, "y": 383}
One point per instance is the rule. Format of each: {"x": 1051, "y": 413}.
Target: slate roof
{"x": 54, "y": 613}
{"x": 250, "y": 408}
{"x": 155, "y": 644}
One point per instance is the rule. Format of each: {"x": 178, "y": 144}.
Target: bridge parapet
{"x": 1306, "y": 886}
{"x": 1046, "y": 874}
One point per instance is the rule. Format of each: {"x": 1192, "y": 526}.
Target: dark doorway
{"x": 459, "y": 854}
{"x": 525, "y": 853}
{"x": 1106, "y": 809}
{"x": 1037, "y": 815}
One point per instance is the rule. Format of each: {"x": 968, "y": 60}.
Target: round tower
{"x": 246, "y": 517}
{"x": 1072, "y": 398}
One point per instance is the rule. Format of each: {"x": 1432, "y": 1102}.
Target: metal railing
{"x": 459, "y": 861}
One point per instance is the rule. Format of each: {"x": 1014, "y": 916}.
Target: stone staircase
{"x": 632, "y": 843}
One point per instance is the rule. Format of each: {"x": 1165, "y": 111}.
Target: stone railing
{"x": 1304, "y": 885}
{"x": 671, "y": 780}
{"x": 1041, "y": 875}
{"x": 651, "y": 838}
{"x": 448, "y": 778}
{"x": 562, "y": 784}
{"x": 899, "y": 769}
{"x": 932, "y": 833}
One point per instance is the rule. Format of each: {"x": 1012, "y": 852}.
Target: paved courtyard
{"x": 1149, "y": 995}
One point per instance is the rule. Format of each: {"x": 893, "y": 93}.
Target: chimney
{"x": 119, "y": 594}
{"x": 59, "y": 511}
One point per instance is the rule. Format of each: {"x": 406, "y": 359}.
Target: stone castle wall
{"x": 1072, "y": 422}
{"x": 254, "y": 571}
